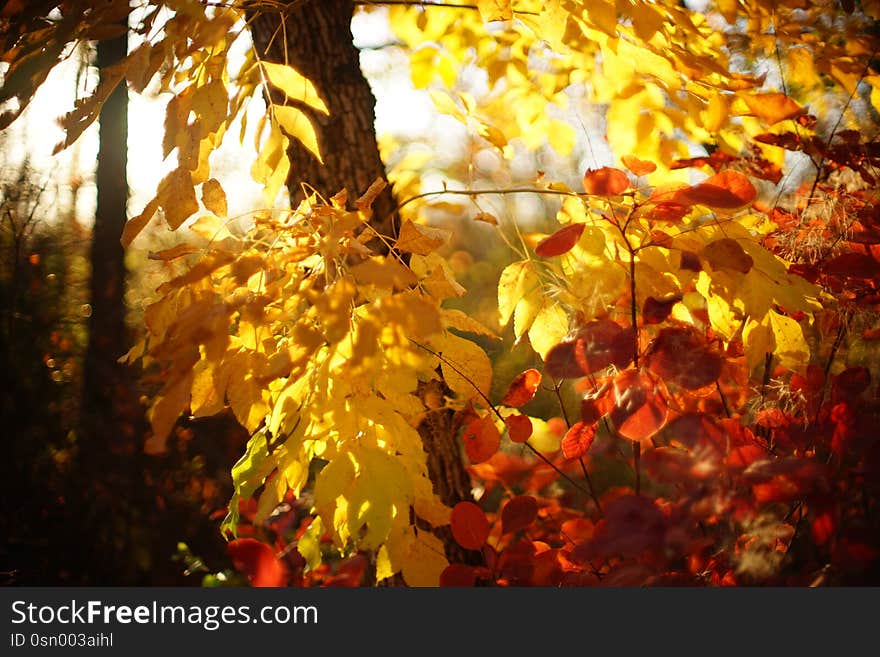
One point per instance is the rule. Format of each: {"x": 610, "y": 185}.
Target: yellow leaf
{"x": 246, "y": 399}
{"x": 309, "y": 544}
{"x": 288, "y": 80}
{"x": 208, "y": 389}
{"x": 165, "y": 411}
{"x": 716, "y": 113}
{"x": 425, "y": 561}
{"x": 772, "y": 108}
{"x": 177, "y": 197}
{"x": 211, "y": 228}
{"x": 527, "y": 308}
{"x": 453, "y": 318}
{"x": 603, "y": 15}
{"x": 548, "y": 329}
{"x": 385, "y": 273}
{"x": 779, "y": 335}
{"x": 210, "y": 103}
{"x": 135, "y": 225}
{"x": 791, "y": 347}
{"x": 495, "y": 10}
{"x": 516, "y": 280}
{"x": 296, "y": 124}
{"x": 214, "y": 198}
{"x": 466, "y": 367}
{"x": 361, "y": 492}
{"x": 420, "y": 239}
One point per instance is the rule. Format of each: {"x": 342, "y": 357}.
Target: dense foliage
{"x": 702, "y": 309}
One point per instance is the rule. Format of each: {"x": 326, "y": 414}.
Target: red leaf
{"x": 458, "y": 574}
{"x": 481, "y": 439}
{"x": 639, "y": 411}
{"x": 522, "y": 389}
{"x": 518, "y": 513}
{"x": 681, "y": 356}
{"x": 856, "y": 265}
{"x": 577, "y": 440}
{"x": 728, "y": 190}
{"x": 257, "y": 561}
{"x": 561, "y": 364}
{"x": 698, "y": 433}
{"x": 597, "y": 405}
{"x": 670, "y": 213}
{"x": 851, "y": 383}
{"x": 470, "y": 527}
{"x": 637, "y": 166}
{"x": 562, "y": 241}
{"x": 519, "y": 427}
{"x": 601, "y": 343}
{"x": 690, "y": 261}
{"x": 606, "y": 181}
{"x": 655, "y": 311}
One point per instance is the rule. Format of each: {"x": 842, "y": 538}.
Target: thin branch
{"x": 590, "y": 486}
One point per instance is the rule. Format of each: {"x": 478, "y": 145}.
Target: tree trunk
{"x": 316, "y": 40}
{"x": 112, "y": 420}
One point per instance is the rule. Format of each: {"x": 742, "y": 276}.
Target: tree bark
{"x": 314, "y": 36}
{"x": 111, "y": 417}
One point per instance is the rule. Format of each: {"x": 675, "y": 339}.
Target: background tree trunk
{"x": 315, "y": 38}
{"x": 112, "y": 423}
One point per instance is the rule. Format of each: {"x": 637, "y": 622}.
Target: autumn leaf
{"x": 481, "y": 439}
{"x": 416, "y": 238}
{"x": 728, "y": 190}
{"x": 288, "y": 80}
{"x": 214, "y": 198}
{"x": 772, "y": 108}
{"x": 681, "y": 356}
{"x": 638, "y": 167}
{"x": 519, "y": 513}
{"x": 640, "y": 410}
{"x": 562, "y": 241}
{"x": 522, "y": 389}
{"x": 577, "y": 440}
{"x": 606, "y": 181}
{"x": 655, "y": 311}
{"x": 495, "y": 10}
{"x": 470, "y": 526}
{"x": 257, "y": 561}
{"x": 726, "y": 253}
{"x": 176, "y": 196}
{"x": 519, "y": 427}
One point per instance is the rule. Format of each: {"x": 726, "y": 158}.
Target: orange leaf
{"x": 577, "y": 440}
{"x": 728, "y": 190}
{"x": 470, "y": 527}
{"x": 639, "y": 411}
{"x": 667, "y": 212}
{"x": 257, "y": 561}
{"x": 606, "y": 181}
{"x": 773, "y": 108}
{"x": 522, "y": 389}
{"x": 637, "y": 166}
{"x": 481, "y": 439}
{"x": 518, "y": 513}
{"x": 519, "y": 427}
{"x": 562, "y": 241}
